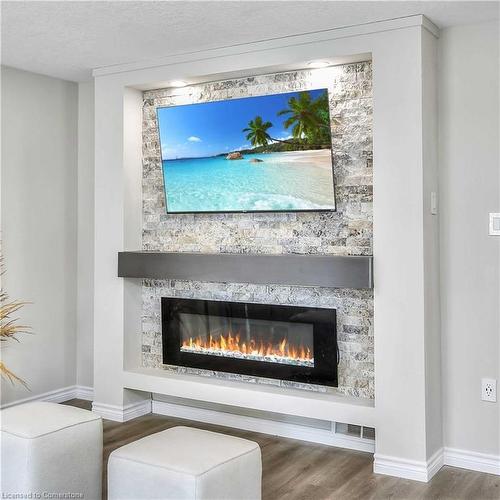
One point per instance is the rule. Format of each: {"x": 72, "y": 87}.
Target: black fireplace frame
{"x": 323, "y": 321}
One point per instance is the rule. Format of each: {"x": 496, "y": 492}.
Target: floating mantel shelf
{"x": 305, "y": 270}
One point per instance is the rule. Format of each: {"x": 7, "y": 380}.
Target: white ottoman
{"x": 186, "y": 463}
{"x": 48, "y": 448}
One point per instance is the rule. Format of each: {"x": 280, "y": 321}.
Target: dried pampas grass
{"x": 9, "y": 328}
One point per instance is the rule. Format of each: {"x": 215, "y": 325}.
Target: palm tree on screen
{"x": 308, "y": 118}
{"x": 257, "y": 132}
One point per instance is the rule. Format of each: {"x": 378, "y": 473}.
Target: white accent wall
{"x": 39, "y": 227}
{"x": 85, "y": 292}
{"x": 470, "y": 259}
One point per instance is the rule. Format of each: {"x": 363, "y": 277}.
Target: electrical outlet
{"x": 489, "y": 389}
{"x": 494, "y": 224}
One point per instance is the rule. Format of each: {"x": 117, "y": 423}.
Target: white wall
{"x": 470, "y": 259}
{"x": 38, "y": 214}
{"x": 433, "y": 398}
{"x": 85, "y": 292}
{"x": 403, "y": 173}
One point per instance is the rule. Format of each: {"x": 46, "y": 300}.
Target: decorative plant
{"x": 9, "y": 328}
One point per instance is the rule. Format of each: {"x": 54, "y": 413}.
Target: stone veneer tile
{"x": 348, "y": 231}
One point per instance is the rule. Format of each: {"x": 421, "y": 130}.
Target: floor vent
{"x": 342, "y": 435}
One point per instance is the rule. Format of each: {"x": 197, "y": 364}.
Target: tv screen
{"x": 256, "y": 154}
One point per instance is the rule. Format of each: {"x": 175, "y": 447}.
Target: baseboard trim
{"x": 435, "y": 464}
{"x": 480, "y": 462}
{"x": 383, "y": 464}
{"x": 56, "y": 396}
{"x": 122, "y": 413}
{"x": 84, "y": 392}
{"x": 282, "y": 429}
{"x": 408, "y": 469}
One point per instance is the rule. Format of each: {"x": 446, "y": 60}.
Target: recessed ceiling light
{"x": 318, "y": 64}
{"x": 178, "y": 83}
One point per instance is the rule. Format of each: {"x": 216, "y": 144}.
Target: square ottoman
{"x": 186, "y": 463}
{"x": 50, "y": 450}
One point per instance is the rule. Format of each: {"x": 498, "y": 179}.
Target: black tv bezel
{"x": 207, "y": 212}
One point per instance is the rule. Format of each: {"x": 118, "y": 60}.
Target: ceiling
{"x": 67, "y": 39}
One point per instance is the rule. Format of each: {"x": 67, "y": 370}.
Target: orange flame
{"x": 233, "y": 343}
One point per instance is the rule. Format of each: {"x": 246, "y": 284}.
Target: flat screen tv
{"x": 269, "y": 153}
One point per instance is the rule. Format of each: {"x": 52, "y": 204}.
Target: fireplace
{"x": 280, "y": 342}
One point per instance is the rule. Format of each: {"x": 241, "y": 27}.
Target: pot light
{"x": 318, "y": 64}
{"x": 178, "y": 83}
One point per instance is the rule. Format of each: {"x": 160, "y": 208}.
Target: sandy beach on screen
{"x": 316, "y": 157}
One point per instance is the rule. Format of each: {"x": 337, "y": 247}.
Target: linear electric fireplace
{"x": 281, "y": 342}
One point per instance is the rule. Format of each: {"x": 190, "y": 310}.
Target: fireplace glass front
{"x": 283, "y": 342}
{"x": 245, "y": 338}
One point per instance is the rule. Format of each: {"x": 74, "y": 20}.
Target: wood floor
{"x": 296, "y": 470}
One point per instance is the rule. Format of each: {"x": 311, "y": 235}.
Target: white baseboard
{"x": 408, "y": 469}
{"x": 383, "y": 464}
{"x": 85, "y": 393}
{"x": 122, "y": 413}
{"x": 471, "y": 460}
{"x": 283, "y": 429}
{"x": 424, "y": 471}
{"x": 57, "y": 396}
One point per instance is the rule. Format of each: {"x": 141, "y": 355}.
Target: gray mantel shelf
{"x": 333, "y": 271}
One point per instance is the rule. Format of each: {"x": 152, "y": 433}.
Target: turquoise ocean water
{"x": 216, "y": 184}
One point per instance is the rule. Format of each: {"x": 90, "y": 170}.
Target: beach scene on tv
{"x": 266, "y": 153}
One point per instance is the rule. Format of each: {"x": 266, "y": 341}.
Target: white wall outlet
{"x": 489, "y": 389}
{"x": 494, "y": 224}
